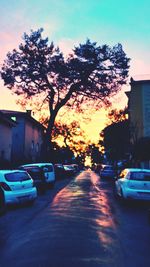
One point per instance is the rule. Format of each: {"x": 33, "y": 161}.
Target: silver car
{"x": 133, "y": 183}
{"x": 17, "y": 186}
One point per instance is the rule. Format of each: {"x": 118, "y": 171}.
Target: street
{"x": 78, "y": 223}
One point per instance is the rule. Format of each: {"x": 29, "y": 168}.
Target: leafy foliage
{"x": 71, "y": 134}
{"x": 95, "y": 154}
{"x": 117, "y": 115}
{"x": 40, "y": 69}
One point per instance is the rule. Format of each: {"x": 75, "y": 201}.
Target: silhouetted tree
{"x": 116, "y": 140}
{"x": 117, "y": 115}
{"x": 61, "y": 154}
{"x": 71, "y": 134}
{"x": 94, "y": 153}
{"x": 91, "y": 72}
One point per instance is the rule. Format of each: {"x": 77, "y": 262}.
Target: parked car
{"x": 59, "y": 171}
{"x": 69, "y": 169}
{"x": 133, "y": 183}
{"x": 37, "y": 175}
{"x": 76, "y": 167}
{"x": 17, "y": 186}
{"x": 107, "y": 171}
{"x": 48, "y": 170}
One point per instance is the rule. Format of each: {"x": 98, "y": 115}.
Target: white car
{"x": 48, "y": 170}
{"x": 133, "y": 183}
{"x": 17, "y": 186}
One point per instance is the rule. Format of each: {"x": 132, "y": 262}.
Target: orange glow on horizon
{"x": 92, "y": 122}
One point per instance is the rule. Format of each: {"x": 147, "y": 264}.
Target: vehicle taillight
{"x": 5, "y": 186}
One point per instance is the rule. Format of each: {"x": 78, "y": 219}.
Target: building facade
{"x": 6, "y": 126}
{"x": 27, "y": 137}
{"x": 139, "y": 109}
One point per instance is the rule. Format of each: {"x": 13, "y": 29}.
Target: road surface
{"x": 79, "y": 223}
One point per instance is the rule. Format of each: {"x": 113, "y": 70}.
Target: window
{"x": 140, "y": 176}
{"x": 2, "y": 154}
{"x": 32, "y": 145}
{"x": 47, "y": 168}
{"x": 37, "y": 147}
{"x": 17, "y": 176}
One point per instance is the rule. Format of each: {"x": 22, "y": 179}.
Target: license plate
{"x": 23, "y": 199}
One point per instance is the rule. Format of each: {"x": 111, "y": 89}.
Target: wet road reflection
{"x": 86, "y": 211}
{"x": 76, "y": 229}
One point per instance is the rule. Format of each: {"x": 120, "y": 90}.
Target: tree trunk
{"x": 47, "y": 149}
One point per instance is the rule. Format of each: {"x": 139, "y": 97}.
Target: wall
{"x": 33, "y": 141}
{"x": 146, "y": 109}
{"x": 5, "y": 141}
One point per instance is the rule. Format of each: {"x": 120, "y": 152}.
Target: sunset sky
{"x": 70, "y": 22}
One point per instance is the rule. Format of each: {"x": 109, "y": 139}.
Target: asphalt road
{"x": 78, "y": 223}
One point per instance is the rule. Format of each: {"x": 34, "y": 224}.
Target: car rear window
{"x": 107, "y": 168}
{"x": 140, "y": 176}
{"x": 17, "y": 176}
{"x": 35, "y": 172}
{"x": 47, "y": 168}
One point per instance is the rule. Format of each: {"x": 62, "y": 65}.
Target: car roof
{"x": 10, "y": 171}
{"x": 137, "y": 170}
{"x": 37, "y": 164}
{"x": 108, "y": 166}
{"x": 30, "y": 167}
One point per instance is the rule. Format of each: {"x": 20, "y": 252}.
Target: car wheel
{"x": 116, "y": 193}
{"x": 2, "y": 203}
{"x": 122, "y": 198}
{"x": 121, "y": 194}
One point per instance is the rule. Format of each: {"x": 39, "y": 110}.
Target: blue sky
{"x": 70, "y": 22}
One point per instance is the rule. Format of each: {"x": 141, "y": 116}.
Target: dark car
{"x": 38, "y": 177}
{"x": 108, "y": 171}
{"x": 59, "y": 171}
{"x": 47, "y": 169}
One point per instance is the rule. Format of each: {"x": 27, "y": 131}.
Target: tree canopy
{"x": 38, "y": 68}
{"x": 117, "y": 115}
{"x": 71, "y": 134}
{"x": 116, "y": 140}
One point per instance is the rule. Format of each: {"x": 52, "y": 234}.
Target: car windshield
{"x": 17, "y": 176}
{"x": 140, "y": 176}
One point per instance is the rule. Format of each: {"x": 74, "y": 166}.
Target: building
{"x": 6, "y": 126}
{"x": 139, "y": 108}
{"x": 27, "y": 137}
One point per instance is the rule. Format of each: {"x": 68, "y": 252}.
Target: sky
{"x": 70, "y": 22}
